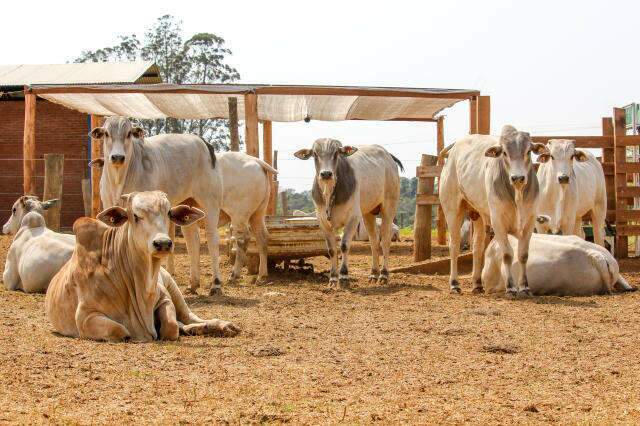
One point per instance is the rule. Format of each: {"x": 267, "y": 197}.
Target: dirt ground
{"x": 409, "y": 352}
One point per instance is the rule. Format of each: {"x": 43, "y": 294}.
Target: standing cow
{"x": 493, "y": 179}
{"x": 571, "y": 185}
{"x": 351, "y": 183}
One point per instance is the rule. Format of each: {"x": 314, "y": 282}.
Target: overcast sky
{"x": 551, "y": 67}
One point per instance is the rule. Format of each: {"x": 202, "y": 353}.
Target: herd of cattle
{"x": 106, "y": 282}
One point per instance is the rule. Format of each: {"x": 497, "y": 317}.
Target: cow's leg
{"x": 262, "y": 239}
{"x": 330, "y": 238}
{"x": 385, "y": 242}
{"x": 241, "y": 237}
{"x": 523, "y": 255}
{"x": 213, "y": 241}
{"x": 370, "y": 224}
{"x": 479, "y": 246}
{"x": 345, "y": 246}
{"x": 597, "y": 220}
{"x": 454, "y": 223}
{"x": 192, "y": 240}
{"x": 170, "y": 261}
{"x": 165, "y": 315}
{"x": 506, "y": 250}
{"x": 97, "y": 326}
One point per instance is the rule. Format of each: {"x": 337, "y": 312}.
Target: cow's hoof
{"x": 226, "y": 329}
{"x": 510, "y": 294}
{"x": 525, "y": 293}
{"x": 215, "y": 291}
{"x": 191, "y": 290}
{"x": 233, "y": 279}
{"x": 373, "y": 279}
{"x": 478, "y": 290}
{"x": 455, "y": 290}
{"x": 261, "y": 281}
{"x": 383, "y": 280}
{"x": 333, "y": 283}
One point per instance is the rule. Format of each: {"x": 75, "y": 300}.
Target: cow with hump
{"x": 36, "y": 253}
{"x": 350, "y": 183}
{"x": 571, "y": 185}
{"x": 186, "y": 167}
{"x": 492, "y": 179}
{"x": 113, "y": 287}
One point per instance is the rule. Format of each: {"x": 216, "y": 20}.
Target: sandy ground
{"x": 409, "y": 352}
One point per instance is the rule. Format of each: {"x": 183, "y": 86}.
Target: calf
{"x": 559, "y": 265}
{"x": 492, "y": 179}
{"x": 349, "y": 183}
{"x": 113, "y": 287}
{"x": 571, "y": 185}
{"x": 36, "y": 253}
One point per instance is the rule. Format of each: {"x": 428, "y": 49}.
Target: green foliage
{"x": 201, "y": 59}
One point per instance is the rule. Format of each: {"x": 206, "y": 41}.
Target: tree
{"x": 201, "y": 59}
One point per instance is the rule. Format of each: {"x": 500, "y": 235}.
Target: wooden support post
{"x": 234, "y": 144}
{"x": 484, "y": 115}
{"x": 285, "y": 203}
{"x": 53, "y": 177}
{"x": 267, "y": 148}
{"x": 473, "y": 115}
{"x": 251, "y": 124}
{"x": 442, "y": 223}
{"x": 620, "y": 155}
{"x": 608, "y": 157}
{"x": 86, "y": 196}
{"x": 29, "y": 145}
{"x": 273, "y": 196}
{"x": 96, "y": 172}
{"x": 423, "y": 217}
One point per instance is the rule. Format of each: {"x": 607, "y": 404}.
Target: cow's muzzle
{"x": 563, "y": 179}
{"x": 117, "y": 159}
{"x": 326, "y": 174}
{"x": 162, "y": 245}
{"x": 517, "y": 180}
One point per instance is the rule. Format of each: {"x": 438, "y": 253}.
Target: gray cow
{"x": 349, "y": 183}
{"x": 493, "y": 179}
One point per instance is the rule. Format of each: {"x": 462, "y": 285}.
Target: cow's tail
{"x": 445, "y": 152}
{"x": 266, "y": 167}
{"x": 212, "y": 153}
{"x": 183, "y": 313}
{"x": 398, "y": 162}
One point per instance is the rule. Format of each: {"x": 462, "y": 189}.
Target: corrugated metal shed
{"x": 14, "y": 77}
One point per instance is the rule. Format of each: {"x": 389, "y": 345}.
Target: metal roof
{"x": 17, "y": 76}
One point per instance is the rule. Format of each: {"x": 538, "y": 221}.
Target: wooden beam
{"x": 428, "y": 171}
{"x": 251, "y": 124}
{"x": 53, "y": 177}
{"x": 267, "y": 141}
{"x": 473, "y": 115}
{"x": 234, "y": 143}
{"x": 96, "y": 172}
{"x": 441, "y": 223}
{"x": 620, "y": 155}
{"x": 484, "y": 115}
{"x": 628, "y": 140}
{"x": 423, "y": 215}
{"x": 29, "y": 145}
{"x": 605, "y": 141}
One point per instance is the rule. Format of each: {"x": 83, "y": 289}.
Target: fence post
{"x": 285, "y": 203}
{"x": 234, "y": 144}
{"x": 53, "y": 177}
{"x": 442, "y": 224}
{"x": 29, "y": 145}
{"x": 96, "y": 172}
{"x": 620, "y": 178}
{"x": 424, "y": 212}
{"x": 86, "y": 196}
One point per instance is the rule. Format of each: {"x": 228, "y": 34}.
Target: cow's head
{"x": 560, "y": 156}
{"x": 327, "y": 154}
{"x": 117, "y": 134}
{"x": 515, "y": 149}
{"x": 148, "y": 215}
{"x": 24, "y": 205}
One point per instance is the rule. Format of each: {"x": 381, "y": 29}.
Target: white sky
{"x": 551, "y": 67}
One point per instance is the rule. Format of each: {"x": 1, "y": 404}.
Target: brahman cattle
{"x": 361, "y": 233}
{"x": 558, "y": 265}
{"x": 493, "y": 180}
{"x": 571, "y": 185}
{"x": 113, "y": 287}
{"x": 36, "y": 253}
{"x": 349, "y": 183}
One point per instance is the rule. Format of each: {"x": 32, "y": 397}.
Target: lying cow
{"x": 352, "y": 182}
{"x": 571, "y": 185}
{"x": 36, "y": 253}
{"x": 362, "y": 235}
{"x": 558, "y": 265}
{"x": 185, "y": 166}
{"x": 113, "y": 287}
{"x": 492, "y": 179}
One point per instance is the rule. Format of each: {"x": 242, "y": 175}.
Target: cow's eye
{"x": 14, "y": 210}
{"x": 137, "y": 218}
{"x": 504, "y": 153}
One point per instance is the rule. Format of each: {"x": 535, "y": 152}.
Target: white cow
{"x": 361, "y": 233}
{"x": 571, "y": 185}
{"x": 349, "y": 183}
{"x": 492, "y": 179}
{"x": 36, "y": 253}
{"x": 558, "y": 265}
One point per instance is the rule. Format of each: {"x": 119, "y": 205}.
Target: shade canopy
{"x": 280, "y": 103}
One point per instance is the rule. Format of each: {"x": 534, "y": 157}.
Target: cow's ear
{"x": 185, "y": 215}
{"x": 50, "y": 203}
{"x": 348, "y": 150}
{"x": 303, "y": 154}
{"x": 97, "y": 133}
{"x": 113, "y": 216}
{"x": 543, "y": 158}
{"x": 97, "y": 163}
{"x": 539, "y": 149}
{"x": 137, "y": 132}
{"x": 493, "y": 151}
{"x": 580, "y": 156}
